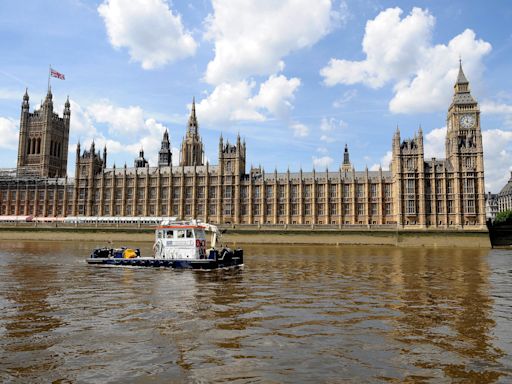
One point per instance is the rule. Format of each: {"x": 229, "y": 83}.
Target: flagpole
{"x": 49, "y": 72}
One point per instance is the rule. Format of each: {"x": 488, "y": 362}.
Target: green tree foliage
{"x": 503, "y": 217}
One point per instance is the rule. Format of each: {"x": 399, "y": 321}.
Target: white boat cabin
{"x": 180, "y": 240}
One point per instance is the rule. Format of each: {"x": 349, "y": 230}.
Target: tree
{"x": 504, "y": 217}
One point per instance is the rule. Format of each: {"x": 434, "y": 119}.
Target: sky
{"x": 297, "y": 79}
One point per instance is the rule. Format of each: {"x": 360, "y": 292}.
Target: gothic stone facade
{"x": 414, "y": 193}
{"x": 43, "y": 140}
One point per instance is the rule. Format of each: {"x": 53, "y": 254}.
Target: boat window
{"x": 200, "y": 234}
{"x": 170, "y": 234}
{"x": 180, "y": 234}
{"x": 159, "y": 234}
{"x": 190, "y": 234}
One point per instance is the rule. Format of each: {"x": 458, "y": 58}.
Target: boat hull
{"x": 232, "y": 260}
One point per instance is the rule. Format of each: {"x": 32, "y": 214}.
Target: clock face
{"x": 467, "y": 121}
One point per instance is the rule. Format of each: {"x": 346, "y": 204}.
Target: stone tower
{"x": 192, "y": 146}
{"x": 464, "y": 150}
{"x": 232, "y": 157}
{"x": 43, "y": 140}
{"x": 165, "y": 155}
{"x": 346, "y": 166}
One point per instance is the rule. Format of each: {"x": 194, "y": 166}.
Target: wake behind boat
{"x": 178, "y": 245}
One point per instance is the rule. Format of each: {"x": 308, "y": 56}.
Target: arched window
{"x": 38, "y": 146}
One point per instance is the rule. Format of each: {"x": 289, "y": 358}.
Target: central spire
{"x": 192, "y": 121}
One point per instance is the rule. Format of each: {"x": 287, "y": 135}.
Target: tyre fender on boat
{"x": 157, "y": 248}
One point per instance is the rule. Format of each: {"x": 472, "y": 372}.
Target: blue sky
{"x": 297, "y": 78}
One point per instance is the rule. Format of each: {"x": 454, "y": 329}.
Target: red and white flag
{"x": 56, "y": 74}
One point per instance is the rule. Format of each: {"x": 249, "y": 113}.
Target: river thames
{"x": 293, "y": 314}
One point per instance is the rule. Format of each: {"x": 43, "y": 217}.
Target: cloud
{"x": 152, "y": 32}
{"x": 276, "y": 94}
{"x": 121, "y": 121}
{"x": 385, "y": 161}
{"x": 345, "y": 98}
{"x": 9, "y": 129}
{"x": 400, "y": 51}
{"x": 497, "y": 154}
{"x": 322, "y": 162}
{"x": 252, "y": 37}
{"x": 299, "y": 129}
{"x": 237, "y": 101}
{"x": 434, "y": 143}
{"x": 494, "y": 108}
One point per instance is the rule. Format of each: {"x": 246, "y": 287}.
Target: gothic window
{"x": 295, "y": 191}
{"x": 320, "y": 190}
{"x": 346, "y": 209}
{"x": 374, "y": 209}
{"x": 410, "y": 206}
{"x": 152, "y": 193}
{"x": 373, "y": 190}
{"x": 256, "y": 209}
{"x": 388, "y": 208}
{"x": 360, "y": 209}
{"x": 212, "y": 192}
{"x": 410, "y": 186}
{"x": 320, "y": 209}
{"x": 176, "y": 193}
{"x": 211, "y": 209}
{"x": 243, "y": 209}
{"x": 39, "y": 145}
{"x": 228, "y": 166}
{"x": 307, "y": 209}
{"x": 228, "y": 192}
{"x": 268, "y": 209}
{"x": 227, "y": 209}
{"x": 450, "y": 206}
{"x": 281, "y": 191}
{"x": 268, "y": 191}
{"x": 333, "y": 209}
{"x": 359, "y": 190}
{"x": 140, "y": 194}
{"x": 346, "y": 190}
{"x": 281, "y": 209}
{"x": 200, "y": 192}
{"x": 450, "y": 186}
{"x": 188, "y": 210}
{"x": 439, "y": 206}
{"x": 387, "y": 190}
{"x": 188, "y": 192}
{"x": 295, "y": 209}
{"x": 244, "y": 191}
{"x": 307, "y": 190}
{"x": 333, "y": 190}
{"x": 257, "y": 192}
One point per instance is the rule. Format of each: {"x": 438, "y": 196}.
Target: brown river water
{"x": 294, "y": 314}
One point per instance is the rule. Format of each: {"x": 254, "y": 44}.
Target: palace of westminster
{"x": 414, "y": 193}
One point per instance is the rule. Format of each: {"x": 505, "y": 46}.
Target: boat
{"x": 178, "y": 245}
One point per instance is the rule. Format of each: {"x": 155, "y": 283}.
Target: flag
{"x": 56, "y": 74}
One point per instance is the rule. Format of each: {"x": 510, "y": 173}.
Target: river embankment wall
{"x": 133, "y": 235}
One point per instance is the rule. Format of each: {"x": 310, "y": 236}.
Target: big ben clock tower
{"x": 464, "y": 152}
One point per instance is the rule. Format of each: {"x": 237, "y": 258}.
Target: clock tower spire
{"x": 464, "y": 153}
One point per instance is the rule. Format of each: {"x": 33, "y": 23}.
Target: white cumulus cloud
{"x": 299, "y": 129}
{"x": 252, "y": 37}
{"x": 152, "y": 32}
{"x": 322, "y": 162}
{"x": 8, "y": 133}
{"x": 238, "y": 101}
{"x": 400, "y": 51}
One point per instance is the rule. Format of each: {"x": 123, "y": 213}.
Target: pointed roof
{"x": 192, "y": 120}
{"x": 461, "y": 77}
